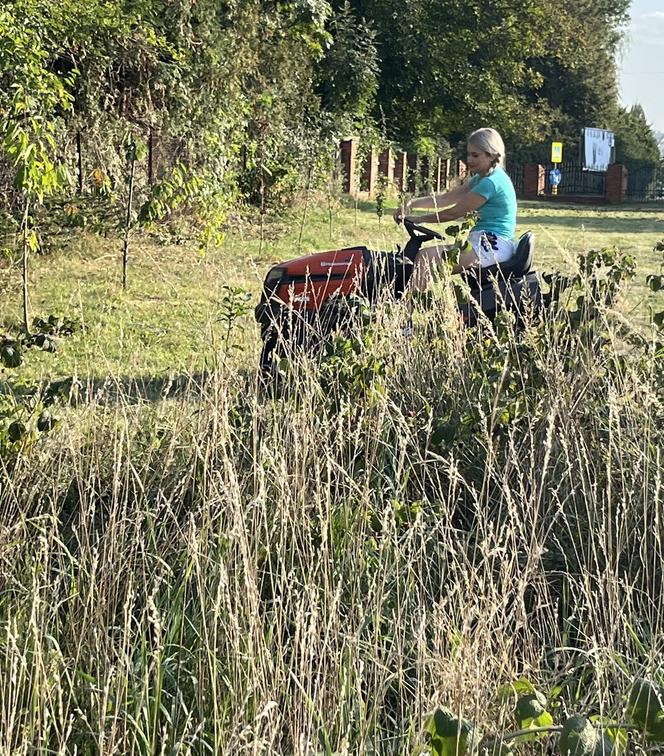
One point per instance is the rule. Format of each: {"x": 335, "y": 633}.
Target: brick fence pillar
{"x": 616, "y": 184}
{"x": 400, "y": 171}
{"x": 534, "y": 180}
{"x": 386, "y": 165}
{"x": 348, "y": 156}
{"x": 370, "y": 172}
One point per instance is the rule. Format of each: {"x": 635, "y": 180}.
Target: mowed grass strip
{"x": 168, "y": 319}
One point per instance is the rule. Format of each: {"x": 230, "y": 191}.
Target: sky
{"x": 642, "y": 61}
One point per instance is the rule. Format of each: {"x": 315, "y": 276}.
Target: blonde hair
{"x": 489, "y": 141}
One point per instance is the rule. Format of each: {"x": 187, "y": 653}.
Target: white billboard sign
{"x": 598, "y": 149}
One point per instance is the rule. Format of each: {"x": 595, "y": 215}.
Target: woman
{"x": 489, "y": 192}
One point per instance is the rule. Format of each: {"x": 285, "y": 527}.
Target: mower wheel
{"x": 267, "y": 358}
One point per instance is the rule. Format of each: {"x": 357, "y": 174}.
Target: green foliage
{"x": 167, "y": 195}
{"x": 452, "y": 736}
{"x": 347, "y": 74}
{"x": 11, "y": 352}
{"x": 531, "y": 711}
{"x": 381, "y": 195}
{"x": 636, "y": 145}
{"x": 578, "y": 735}
{"x": 349, "y": 372}
{"x": 579, "y": 738}
{"x": 656, "y": 283}
{"x": 29, "y": 100}
{"x": 234, "y": 305}
{"x": 601, "y": 274}
{"x": 310, "y": 72}
{"x": 28, "y": 108}
{"x": 459, "y": 238}
{"x": 24, "y": 417}
{"x": 645, "y": 707}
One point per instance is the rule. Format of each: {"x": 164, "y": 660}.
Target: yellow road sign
{"x": 556, "y": 152}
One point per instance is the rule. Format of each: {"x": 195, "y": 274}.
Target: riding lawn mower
{"x": 306, "y": 299}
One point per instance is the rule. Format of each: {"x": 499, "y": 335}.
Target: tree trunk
{"x": 151, "y": 157}
{"x": 130, "y": 199}
{"x": 79, "y": 162}
{"x": 24, "y": 263}
{"x": 304, "y": 211}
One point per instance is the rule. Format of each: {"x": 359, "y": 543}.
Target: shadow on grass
{"x": 602, "y": 217}
{"x": 597, "y": 222}
{"x": 117, "y": 390}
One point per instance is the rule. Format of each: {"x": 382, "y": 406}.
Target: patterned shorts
{"x": 490, "y": 248}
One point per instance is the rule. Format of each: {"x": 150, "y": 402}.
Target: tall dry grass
{"x": 415, "y": 522}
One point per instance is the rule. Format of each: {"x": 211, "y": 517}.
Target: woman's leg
{"x": 425, "y": 270}
{"x": 425, "y": 267}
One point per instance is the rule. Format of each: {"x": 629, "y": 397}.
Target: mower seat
{"x": 522, "y": 260}
{"x": 518, "y": 265}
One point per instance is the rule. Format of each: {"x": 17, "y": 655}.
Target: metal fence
{"x": 515, "y": 172}
{"x": 575, "y": 180}
{"x": 646, "y": 184}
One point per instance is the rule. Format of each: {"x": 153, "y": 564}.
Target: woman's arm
{"x": 436, "y": 201}
{"x": 432, "y": 201}
{"x": 468, "y": 203}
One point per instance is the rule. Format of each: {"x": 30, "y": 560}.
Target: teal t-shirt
{"x": 498, "y": 213}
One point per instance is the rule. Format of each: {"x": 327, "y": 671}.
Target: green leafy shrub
{"x": 578, "y": 735}
{"x": 26, "y": 415}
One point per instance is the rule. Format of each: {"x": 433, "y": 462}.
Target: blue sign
{"x": 555, "y": 177}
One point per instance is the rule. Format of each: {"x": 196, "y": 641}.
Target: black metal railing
{"x": 576, "y": 181}
{"x": 645, "y": 184}
{"x": 515, "y": 172}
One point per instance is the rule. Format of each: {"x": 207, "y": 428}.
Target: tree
{"x": 636, "y": 144}
{"x": 30, "y": 98}
{"x": 347, "y": 76}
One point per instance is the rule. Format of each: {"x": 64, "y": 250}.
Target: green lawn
{"x": 168, "y": 320}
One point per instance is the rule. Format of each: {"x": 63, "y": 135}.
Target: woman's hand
{"x": 399, "y": 214}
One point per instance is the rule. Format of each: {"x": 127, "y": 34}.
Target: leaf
{"x": 645, "y": 708}
{"x": 520, "y": 687}
{"x": 451, "y": 736}
{"x": 16, "y": 431}
{"x": 442, "y": 723}
{"x": 658, "y": 318}
{"x": 10, "y": 353}
{"x": 46, "y": 421}
{"x": 445, "y": 433}
{"x": 656, "y": 283}
{"x": 580, "y": 738}
{"x": 531, "y": 711}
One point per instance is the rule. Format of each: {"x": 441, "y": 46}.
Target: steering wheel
{"x": 421, "y": 233}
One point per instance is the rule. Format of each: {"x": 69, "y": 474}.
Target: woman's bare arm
{"x": 467, "y": 203}
{"x": 439, "y": 201}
